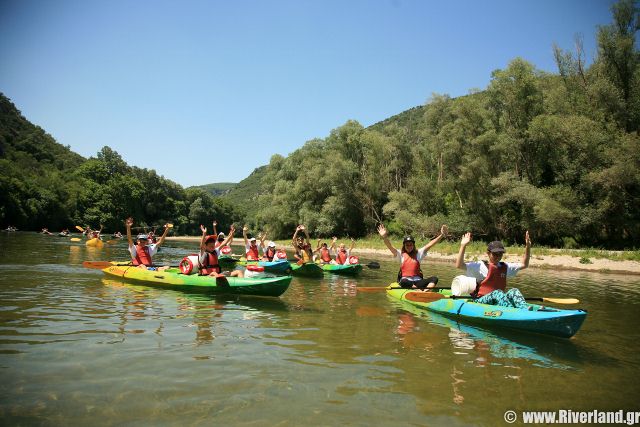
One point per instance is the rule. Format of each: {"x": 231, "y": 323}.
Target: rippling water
{"x": 77, "y": 348}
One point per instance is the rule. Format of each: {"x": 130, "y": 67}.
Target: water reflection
{"x": 488, "y": 347}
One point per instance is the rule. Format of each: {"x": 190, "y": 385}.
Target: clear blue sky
{"x": 206, "y": 91}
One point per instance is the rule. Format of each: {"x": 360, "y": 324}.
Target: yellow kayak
{"x": 95, "y": 242}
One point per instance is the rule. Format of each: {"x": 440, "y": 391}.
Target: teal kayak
{"x": 542, "y": 320}
{"x": 308, "y": 269}
{"x": 277, "y": 267}
{"x": 174, "y": 279}
{"x": 345, "y": 269}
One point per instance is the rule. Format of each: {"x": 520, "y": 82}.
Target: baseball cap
{"x": 495, "y": 246}
{"x": 142, "y": 237}
{"x": 253, "y": 239}
{"x": 272, "y": 244}
{"x": 408, "y": 239}
{"x": 210, "y": 238}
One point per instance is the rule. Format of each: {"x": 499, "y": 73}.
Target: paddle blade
{"x": 562, "y": 300}
{"x": 75, "y": 239}
{"x": 373, "y": 265}
{"x": 96, "y": 265}
{"x": 423, "y": 296}
{"x": 112, "y": 242}
{"x": 80, "y": 228}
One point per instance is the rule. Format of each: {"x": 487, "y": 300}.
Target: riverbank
{"x": 576, "y": 262}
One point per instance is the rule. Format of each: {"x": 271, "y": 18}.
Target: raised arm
{"x": 229, "y": 237}
{"x": 463, "y": 245}
{"x": 215, "y": 231}
{"x": 306, "y": 234}
{"x": 385, "y": 237}
{"x": 295, "y": 234}
{"x": 128, "y": 223}
{"x": 527, "y": 251}
{"x": 353, "y": 243}
{"x": 167, "y": 226}
{"x": 433, "y": 242}
{"x": 262, "y": 236}
{"x": 204, "y": 233}
{"x": 244, "y": 234}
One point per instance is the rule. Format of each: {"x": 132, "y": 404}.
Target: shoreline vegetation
{"x": 588, "y": 260}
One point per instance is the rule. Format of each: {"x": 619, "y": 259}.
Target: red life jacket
{"x": 324, "y": 255}
{"x": 341, "y": 256}
{"x": 143, "y": 256}
{"x": 211, "y": 265}
{"x": 270, "y": 253}
{"x": 252, "y": 253}
{"x": 410, "y": 266}
{"x": 496, "y": 279}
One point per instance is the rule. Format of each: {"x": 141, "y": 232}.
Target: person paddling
{"x": 491, "y": 277}
{"x": 210, "y": 253}
{"x": 141, "y": 252}
{"x": 301, "y": 245}
{"x": 410, "y": 274}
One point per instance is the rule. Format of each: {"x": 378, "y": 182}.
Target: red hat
{"x": 210, "y": 237}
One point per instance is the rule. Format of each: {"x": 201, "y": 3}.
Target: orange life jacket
{"x": 496, "y": 279}
{"x": 341, "y": 256}
{"x": 252, "y": 253}
{"x": 410, "y": 266}
{"x": 143, "y": 256}
{"x": 211, "y": 264}
{"x": 324, "y": 255}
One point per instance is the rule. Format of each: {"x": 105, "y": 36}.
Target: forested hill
{"x": 557, "y": 154}
{"x": 44, "y": 184}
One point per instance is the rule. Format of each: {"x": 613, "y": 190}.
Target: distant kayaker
{"x": 342, "y": 254}
{"x": 410, "y": 274}
{"x": 251, "y": 251}
{"x": 301, "y": 246}
{"x": 141, "y": 252}
{"x": 491, "y": 277}
{"x": 325, "y": 252}
{"x": 210, "y": 253}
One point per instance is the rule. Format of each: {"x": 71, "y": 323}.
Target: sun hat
{"x": 496, "y": 247}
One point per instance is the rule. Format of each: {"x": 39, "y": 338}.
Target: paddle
{"x": 75, "y": 239}
{"x": 80, "y": 228}
{"x": 101, "y": 265}
{"x": 379, "y": 289}
{"x": 434, "y": 296}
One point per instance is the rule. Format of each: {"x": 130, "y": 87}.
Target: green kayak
{"x": 172, "y": 278}
{"x": 308, "y": 269}
{"x": 344, "y": 269}
{"x": 542, "y": 320}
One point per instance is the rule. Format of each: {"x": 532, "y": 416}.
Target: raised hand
{"x": 527, "y": 240}
{"x": 444, "y": 229}
{"x": 466, "y": 239}
{"x": 128, "y": 222}
{"x": 203, "y": 228}
{"x": 382, "y": 231}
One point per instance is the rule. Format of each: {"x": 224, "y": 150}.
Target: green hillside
{"x": 217, "y": 189}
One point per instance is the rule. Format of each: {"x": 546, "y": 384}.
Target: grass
{"x": 450, "y": 247}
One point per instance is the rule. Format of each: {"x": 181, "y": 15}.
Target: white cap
{"x": 272, "y": 244}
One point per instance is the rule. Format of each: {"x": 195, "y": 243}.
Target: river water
{"x": 79, "y": 349}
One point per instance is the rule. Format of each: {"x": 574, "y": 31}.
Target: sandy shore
{"x": 556, "y": 262}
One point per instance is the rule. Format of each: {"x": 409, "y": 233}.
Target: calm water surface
{"x": 79, "y": 349}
